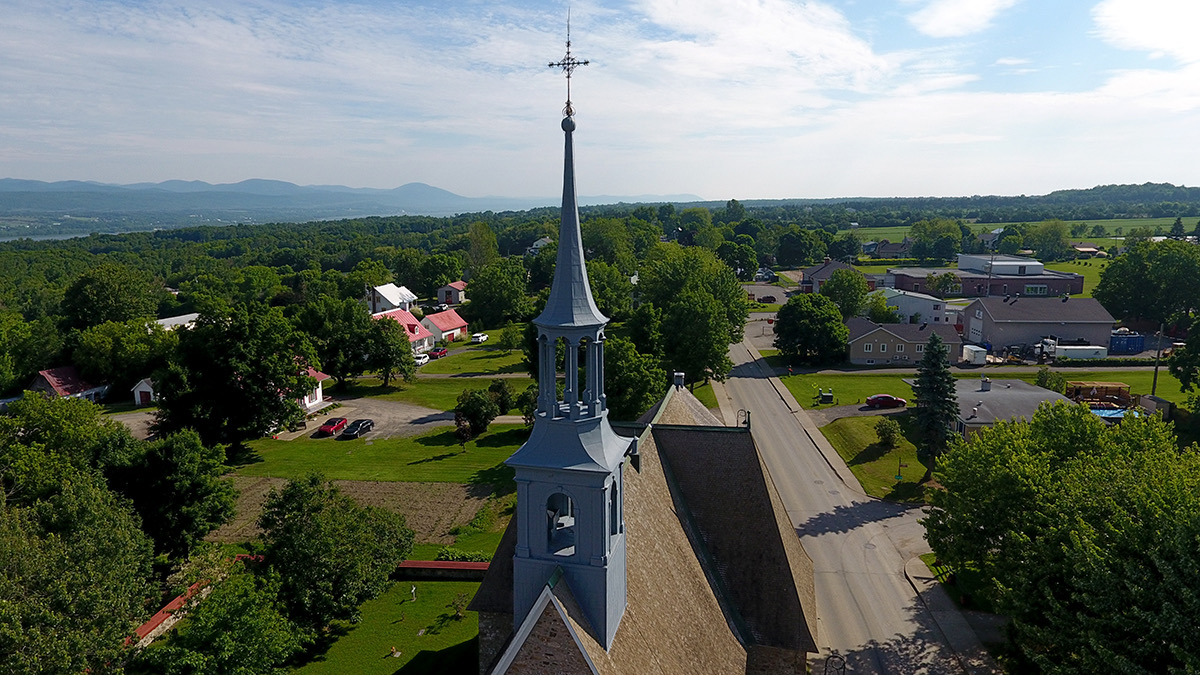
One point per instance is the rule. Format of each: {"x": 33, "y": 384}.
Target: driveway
{"x": 826, "y": 415}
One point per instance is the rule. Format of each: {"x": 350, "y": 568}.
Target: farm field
{"x": 1090, "y": 269}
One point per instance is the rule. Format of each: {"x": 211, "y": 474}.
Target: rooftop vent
{"x": 678, "y": 380}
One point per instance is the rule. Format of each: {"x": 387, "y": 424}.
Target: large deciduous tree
{"x": 123, "y": 353}
{"x": 848, "y": 290}
{"x": 108, "y": 292}
{"x": 1086, "y": 534}
{"x": 498, "y": 293}
{"x": 632, "y": 381}
{"x": 937, "y": 402}
{"x": 612, "y": 290}
{"x": 331, "y": 554}
{"x": 340, "y": 332}
{"x": 235, "y": 377}
{"x": 936, "y": 240}
{"x": 390, "y": 352}
{"x": 809, "y": 330}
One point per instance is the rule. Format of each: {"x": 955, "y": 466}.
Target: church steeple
{"x": 570, "y": 490}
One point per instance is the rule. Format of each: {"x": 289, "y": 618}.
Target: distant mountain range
{"x": 260, "y": 200}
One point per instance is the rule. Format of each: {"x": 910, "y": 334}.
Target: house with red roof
{"x": 453, "y": 293}
{"x": 315, "y": 398}
{"x": 446, "y": 326}
{"x": 65, "y": 381}
{"x": 418, "y": 334}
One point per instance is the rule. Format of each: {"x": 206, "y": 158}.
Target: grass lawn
{"x": 706, "y": 395}
{"x": 847, "y": 389}
{"x": 765, "y": 307}
{"x": 437, "y": 393}
{"x": 482, "y": 360}
{"x": 1090, "y": 269}
{"x": 874, "y": 465}
{"x": 434, "y": 457}
{"x": 426, "y": 632}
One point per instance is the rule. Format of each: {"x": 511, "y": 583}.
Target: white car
{"x": 421, "y": 359}
{"x": 478, "y": 338}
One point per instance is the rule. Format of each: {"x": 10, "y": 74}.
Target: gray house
{"x": 1002, "y": 321}
{"x": 983, "y": 402}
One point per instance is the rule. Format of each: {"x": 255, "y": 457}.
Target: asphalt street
{"x": 869, "y": 612}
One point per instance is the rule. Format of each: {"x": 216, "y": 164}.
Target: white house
{"x": 538, "y": 245}
{"x": 143, "y": 393}
{"x": 916, "y": 307}
{"x": 390, "y": 296}
{"x": 315, "y": 398}
{"x": 446, "y": 326}
{"x": 181, "y": 321}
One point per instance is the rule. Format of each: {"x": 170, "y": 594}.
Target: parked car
{"x": 885, "y": 401}
{"x": 479, "y": 338}
{"x": 421, "y": 359}
{"x": 358, "y": 428}
{"x": 438, "y": 353}
{"x": 767, "y": 299}
{"x": 441, "y": 307}
{"x": 332, "y": 426}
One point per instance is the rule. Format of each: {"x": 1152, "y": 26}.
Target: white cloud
{"x": 1161, "y": 27}
{"x": 956, "y": 18}
{"x": 1011, "y": 61}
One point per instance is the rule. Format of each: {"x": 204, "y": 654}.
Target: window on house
{"x": 919, "y": 348}
{"x": 1020, "y": 269}
{"x": 870, "y": 362}
{"x": 1036, "y": 289}
{"x": 916, "y": 287}
{"x": 882, "y": 347}
{"x": 899, "y": 348}
{"x": 867, "y": 347}
{"x": 560, "y": 525}
{"x": 936, "y": 307}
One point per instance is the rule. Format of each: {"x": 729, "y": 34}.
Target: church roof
{"x": 577, "y": 445}
{"x": 685, "y": 613}
{"x": 570, "y": 304}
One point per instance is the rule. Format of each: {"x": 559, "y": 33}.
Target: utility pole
{"x": 1157, "y": 356}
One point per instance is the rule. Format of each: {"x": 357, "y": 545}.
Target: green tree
{"x": 238, "y": 629}
{"x": 235, "y": 377}
{"x": 936, "y": 240}
{"x": 937, "y": 402}
{"x": 510, "y": 337}
{"x": 879, "y": 311}
{"x": 696, "y": 337}
{"x": 633, "y": 382}
{"x": 611, "y": 289}
{"x": 75, "y": 575}
{"x": 1098, "y": 231}
{"x": 498, "y": 293}
{"x": 389, "y": 352}
{"x": 608, "y": 240}
{"x": 408, "y": 265}
{"x": 645, "y": 329}
{"x": 809, "y": 329}
{"x": 1086, "y": 535}
{"x": 527, "y": 404}
{"x": 846, "y": 247}
{"x": 1177, "y": 229}
{"x": 1051, "y": 379}
{"x": 340, "y": 331}
{"x": 478, "y": 408}
{"x": 1049, "y": 240}
{"x": 123, "y": 353}
{"x": 331, "y": 554}
{"x": 438, "y": 270}
{"x": 177, "y": 487}
{"x": 502, "y": 394}
{"x": 483, "y": 250}
{"x": 943, "y": 284}
{"x": 108, "y": 292}
{"x": 799, "y": 247}
{"x": 848, "y": 290}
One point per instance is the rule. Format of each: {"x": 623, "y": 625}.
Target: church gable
{"x": 547, "y": 642}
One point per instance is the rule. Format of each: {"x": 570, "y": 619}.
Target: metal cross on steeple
{"x": 568, "y": 64}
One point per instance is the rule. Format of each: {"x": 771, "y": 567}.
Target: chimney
{"x": 678, "y": 380}
{"x": 828, "y": 260}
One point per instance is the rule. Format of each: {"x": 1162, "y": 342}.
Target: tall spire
{"x": 571, "y": 304}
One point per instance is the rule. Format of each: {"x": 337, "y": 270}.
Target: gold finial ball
{"x": 568, "y": 124}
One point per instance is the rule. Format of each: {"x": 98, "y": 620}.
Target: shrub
{"x": 1052, "y": 380}
{"x": 451, "y": 554}
{"x": 889, "y": 431}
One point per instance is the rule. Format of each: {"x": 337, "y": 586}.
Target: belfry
{"x": 568, "y": 474}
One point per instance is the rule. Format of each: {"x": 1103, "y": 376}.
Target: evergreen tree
{"x": 1177, "y": 229}
{"x": 937, "y": 404}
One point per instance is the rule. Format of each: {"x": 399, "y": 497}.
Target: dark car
{"x": 767, "y": 299}
{"x": 358, "y": 428}
{"x": 332, "y": 426}
{"x": 438, "y": 353}
{"x": 885, "y": 401}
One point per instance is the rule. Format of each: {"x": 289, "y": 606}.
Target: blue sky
{"x": 718, "y": 98}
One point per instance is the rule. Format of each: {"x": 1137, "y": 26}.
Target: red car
{"x": 438, "y": 353}
{"x": 332, "y": 426}
{"x": 885, "y": 401}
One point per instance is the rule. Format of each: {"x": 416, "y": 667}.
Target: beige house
{"x": 897, "y": 344}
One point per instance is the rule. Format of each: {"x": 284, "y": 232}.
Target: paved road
{"x": 869, "y": 612}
